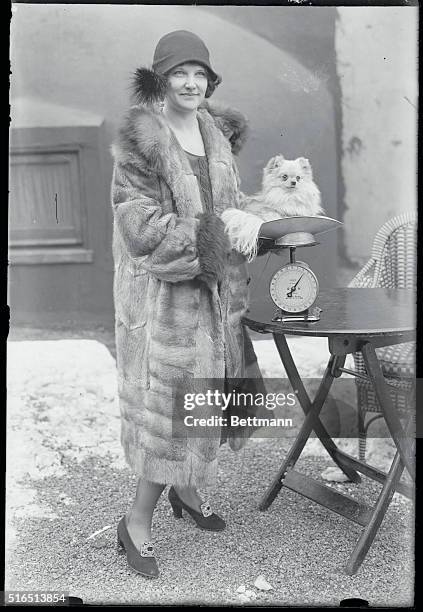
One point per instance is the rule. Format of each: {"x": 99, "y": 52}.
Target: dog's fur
{"x": 287, "y": 190}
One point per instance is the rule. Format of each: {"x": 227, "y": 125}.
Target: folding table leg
{"x": 384, "y": 499}
{"x": 306, "y": 404}
{"x": 389, "y": 413}
{"x": 310, "y": 423}
{"x": 362, "y": 547}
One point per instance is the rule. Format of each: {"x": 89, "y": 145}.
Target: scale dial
{"x": 294, "y": 287}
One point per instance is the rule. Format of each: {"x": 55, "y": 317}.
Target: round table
{"x": 352, "y": 319}
{"x": 355, "y": 311}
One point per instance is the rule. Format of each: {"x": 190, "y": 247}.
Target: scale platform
{"x": 297, "y": 230}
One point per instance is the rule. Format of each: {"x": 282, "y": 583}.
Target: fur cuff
{"x": 243, "y": 229}
{"x": 212, "y": 245}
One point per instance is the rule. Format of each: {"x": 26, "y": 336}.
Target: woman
{"x": 180, "y": 291}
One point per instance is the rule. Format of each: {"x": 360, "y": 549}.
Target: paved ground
{"x": 66, "y": 481}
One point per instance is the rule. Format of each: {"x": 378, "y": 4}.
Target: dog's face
{"x": 286, "y": 174}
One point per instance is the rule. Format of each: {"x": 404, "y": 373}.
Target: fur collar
{"x": 145, "y": 132}
{"x": 231, "y": 122}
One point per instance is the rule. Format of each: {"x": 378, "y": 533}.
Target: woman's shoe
{"x": 141, "y": 561}
{"x": 205, "y": 520}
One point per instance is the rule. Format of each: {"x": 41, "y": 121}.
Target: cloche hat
{"x": 173, "y": 49}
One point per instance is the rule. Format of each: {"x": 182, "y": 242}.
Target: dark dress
{"x": 200, "y": 168}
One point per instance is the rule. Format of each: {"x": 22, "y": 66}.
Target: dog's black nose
{"x": 293, "y": 183}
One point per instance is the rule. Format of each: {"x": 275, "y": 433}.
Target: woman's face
{"x": 187, "y": 85}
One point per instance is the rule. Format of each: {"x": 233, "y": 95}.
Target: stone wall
{"x": 376, "y": 50}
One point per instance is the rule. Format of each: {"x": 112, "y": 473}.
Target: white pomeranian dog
{"x": 287, "y": 190}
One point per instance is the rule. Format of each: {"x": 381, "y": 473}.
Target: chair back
{"x": 395, "y": 253}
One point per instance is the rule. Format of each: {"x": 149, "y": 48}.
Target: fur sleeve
{"x": 163, "y": 244}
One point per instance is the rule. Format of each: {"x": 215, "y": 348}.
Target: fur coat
{"x": 171, "y": 324}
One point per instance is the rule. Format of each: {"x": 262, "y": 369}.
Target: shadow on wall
{"x": 83, "y": 57}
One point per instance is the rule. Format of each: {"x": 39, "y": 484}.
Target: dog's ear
{"x": 305, "y": 164}
{"x": 273, "y": 162}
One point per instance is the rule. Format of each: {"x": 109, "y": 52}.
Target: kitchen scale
{"x": 294, "y": 288}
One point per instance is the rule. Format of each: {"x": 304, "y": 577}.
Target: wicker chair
{"x": 392, "y": 264}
